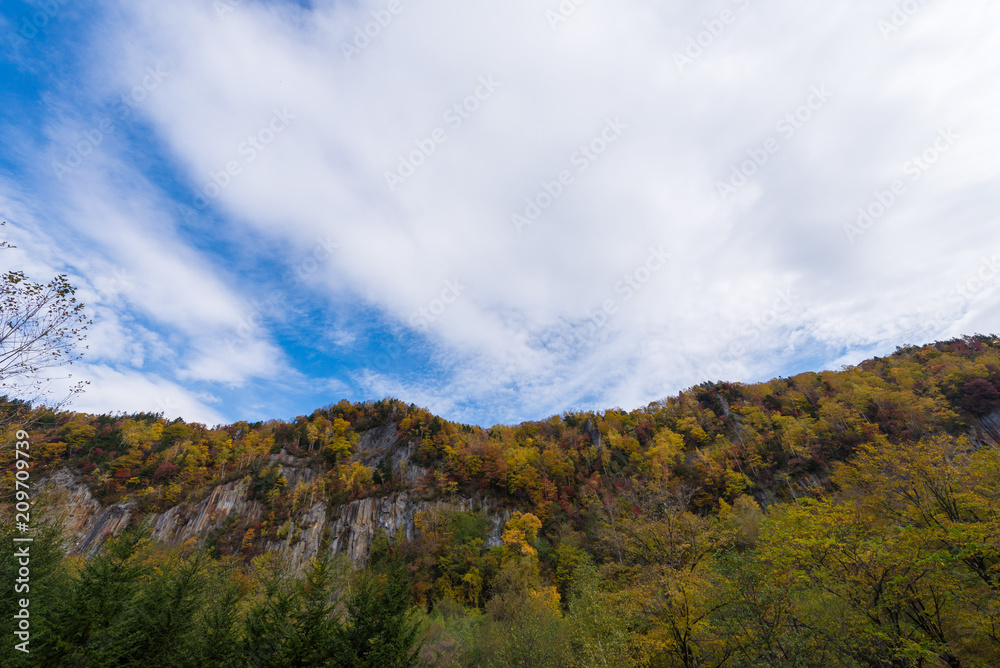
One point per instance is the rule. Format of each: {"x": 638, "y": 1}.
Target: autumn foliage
{"x": 839, "y": 518}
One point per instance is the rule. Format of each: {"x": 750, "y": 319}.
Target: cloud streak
{"x": 534, "y": 154}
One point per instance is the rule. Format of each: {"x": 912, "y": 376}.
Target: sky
{"x": 499, "y": 211}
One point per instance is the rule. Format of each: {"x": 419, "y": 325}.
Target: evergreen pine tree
{"x": 268, "y": 622}
{"x": 161, "y": 625}
{"x": 312, "y": 637}
{"x": 93, "y": 631}
{"x": 380, "y": 631}
{"x": 46, "y": 585}
{"x": 217, "y": 640}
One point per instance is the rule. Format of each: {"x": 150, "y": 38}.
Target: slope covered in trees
{"x": 841, "y": 518}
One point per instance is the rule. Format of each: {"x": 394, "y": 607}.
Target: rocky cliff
{"x": 986, "y": 430}
{"x": 317, "y": 526}
{"x": 349, "y": 528}
{"x": 359, "y": 522}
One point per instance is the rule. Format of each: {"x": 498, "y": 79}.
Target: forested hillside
{"x": 842, "y": 518}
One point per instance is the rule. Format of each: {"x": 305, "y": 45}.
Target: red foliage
{"x": 980, "y": 396}
{"x": 165, "y": 471}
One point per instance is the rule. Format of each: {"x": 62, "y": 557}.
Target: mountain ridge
{"x": 770, "y": 440}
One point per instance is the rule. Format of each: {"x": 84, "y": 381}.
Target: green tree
{"x": 604, "y": 624}
{"x": 268, "y": 622}
{"x": 761, "y": 619}
{"x": 217, "y": 641}
{"x": 91, "y": 617}
{"x": 312, "y": 640}
{"x": 380, "y": 630}
{"x": 46, "y": 586}
{"x": 523, "y": 626}
{"x": 161, "y": 627}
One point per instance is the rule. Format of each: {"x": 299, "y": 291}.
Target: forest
{"x": 840, "y": 519}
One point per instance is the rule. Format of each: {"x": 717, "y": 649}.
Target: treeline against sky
{"x": 637, "y": 538}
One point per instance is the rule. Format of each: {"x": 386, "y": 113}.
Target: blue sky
{"x": 498, "y": 211}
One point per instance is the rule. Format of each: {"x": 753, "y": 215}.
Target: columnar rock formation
{"x": 349, "y": 529}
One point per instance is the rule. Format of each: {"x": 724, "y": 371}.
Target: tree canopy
{"x": 41, "y": 328}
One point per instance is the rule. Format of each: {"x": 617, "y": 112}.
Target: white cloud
{"x": 132, "y": 391}
{"x": 157, "y": 305}
{"x": 268, "y": 120}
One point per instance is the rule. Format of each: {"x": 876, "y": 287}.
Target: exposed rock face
{"x": 78, "y": 506}
{"x": 381, "y": 443}
{"x": 305, "y": 536}
{"x": 111, "y": 520}
{"x": 360, "y": 521}
{"x": 595, "y": 434}
{"x": 87, "y": 524}
{"x": 986, "y": 430}
{"x": 293, "y": 469}
{"x": 347, "y": 529}
{"x": 180, "y": 524}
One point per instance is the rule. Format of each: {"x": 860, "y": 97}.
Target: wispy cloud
{"x": 313, "y": 179}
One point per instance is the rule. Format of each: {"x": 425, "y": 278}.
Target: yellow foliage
{"x": 172, "y": 493}
{"x": 300, "y": 493}
{"x": 694, "y": 431}
{"x": 520, "y": 531}
{"x": 248, "y": 539}
{"x": 354, "y": 476}
{"x": 137, "y": 434}
{"x": 736, "y": 483}
{"x": 473, "y": 586}
{"x": 195, "y": 456}
{"x": 666, "y": 446}
{"x": 547, "y": 598}
{"x": 50, "y": 450}
{"x": 626, "y": 444}
{"x": 130, "y": 460}
{"x": 743, "y": 518}
{"x": 678, "y": 604}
